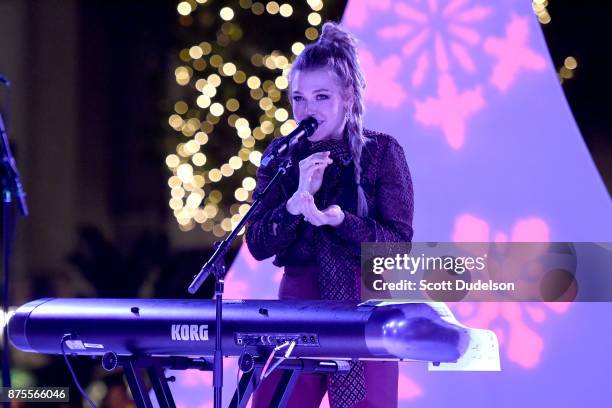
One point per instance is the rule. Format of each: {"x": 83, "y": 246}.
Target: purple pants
{"x": 309, "y": 390}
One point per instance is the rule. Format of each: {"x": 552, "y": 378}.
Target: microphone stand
{"x": 216, "y": 266}
{"x": 11, "y": 187}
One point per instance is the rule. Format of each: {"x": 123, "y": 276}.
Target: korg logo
{"x": 190, "y": 332}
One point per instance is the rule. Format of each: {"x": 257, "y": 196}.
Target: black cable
{"x": 238, "y": 384}
{"x": 238, "y": 375}
{"x": 76, "y": 381}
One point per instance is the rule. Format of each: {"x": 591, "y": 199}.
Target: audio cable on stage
{"x": 76, "y": 381}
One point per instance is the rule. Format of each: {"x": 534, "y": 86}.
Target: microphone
{"x": 304, "y": 129}
{"x": 4, "y": 80}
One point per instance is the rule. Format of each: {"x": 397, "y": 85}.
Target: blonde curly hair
{"x": 336, "y": 50}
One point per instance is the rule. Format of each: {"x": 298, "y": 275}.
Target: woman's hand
{"x": 312, "y": 169}
{"x": 332, "y": 215}
{"x": 311, "y": 172}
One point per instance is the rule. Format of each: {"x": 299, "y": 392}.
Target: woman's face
{"x": 317, "y": 93}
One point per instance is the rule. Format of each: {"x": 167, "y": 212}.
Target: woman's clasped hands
{"x": 302, "y": 202}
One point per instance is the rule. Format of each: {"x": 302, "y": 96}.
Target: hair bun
{"x": 336, "y": 35}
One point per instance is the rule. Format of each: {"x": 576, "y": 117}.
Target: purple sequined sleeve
{"x": 394, "y": 203}
{"x": 272, "y": 228}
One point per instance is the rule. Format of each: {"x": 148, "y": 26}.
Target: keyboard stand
{"x": 155, "y": 367}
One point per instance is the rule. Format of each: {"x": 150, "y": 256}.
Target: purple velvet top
{"x": 386, "y": 181}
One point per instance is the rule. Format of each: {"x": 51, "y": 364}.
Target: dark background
{"x": 583, "y": 30}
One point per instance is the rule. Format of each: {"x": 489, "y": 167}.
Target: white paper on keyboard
{"x": 483, "y": 350}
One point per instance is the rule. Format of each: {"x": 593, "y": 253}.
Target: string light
{"x": 239, "y": 77}
{"x": 184, "y": 55}
{"x": 248, "y": 142}
{"x": 229, "y": 69}
{"x": 214, "y": 175}
{"x": 253, "y": 82}
{"x": 286, "y": 10}
{"x": 196, "y": 52}
{"x": 248, "y": 183}
{"x": 539, "y": 8}
{"x": 216, "y": 60}
{"x": 199, "y": 159}
{"x": 172, "y": 161}
{"x": 570, "y": 63}
{"x": 281, "y": 115}
{"x": 311, "y": 33}
{"x": 214, "y": 79}
{"x": 255, "y": 157}
{"x": 257, "y": 60}
{"x": 272, "y": 7}
{"x": 257, "y": 8}
{"x": 203, "y": 101}
{"x": 201, "y": 138}
{"x": 226, "y": 13}
{"x": 183, "y": 75}
{"x": 199, "y": 65}
{"x": 194, "y": 199}
{"x": 232, "y": 104}
{"x": 257, "y": 93}
{"x": 246, "y": 4}
{"x": 206, "y": 47}
{"x": 184, "y": 8}
{"x": 314, "y": 18}
{"x": 567, "y": 70}
{"x": 316, "y": 5}
{"x": 297, "y": 48}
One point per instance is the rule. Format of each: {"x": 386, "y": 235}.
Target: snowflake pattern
{"x": 445, "y": 35}
{"x": 513, "y": 323}
{"x": 442, "y": 51}
{"x": 512, "y": 54}
{"x": 449, "y": 110}
{"x": 362, "y": 8}
{"x": 383, "y": 86}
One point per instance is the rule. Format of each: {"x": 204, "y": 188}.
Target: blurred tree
{"x": 232, "y": 77}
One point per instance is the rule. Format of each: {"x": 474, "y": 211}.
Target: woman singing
{"x": 347, "y": 185}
